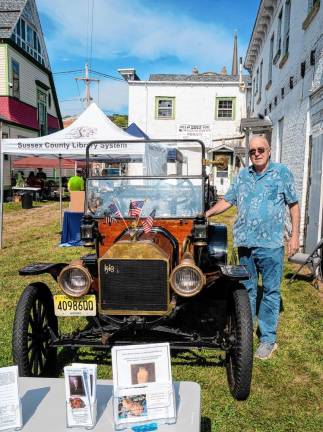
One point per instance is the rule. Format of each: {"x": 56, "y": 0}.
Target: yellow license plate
{"x": 67, "y": 306}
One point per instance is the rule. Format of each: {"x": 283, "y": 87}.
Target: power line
{"x": 108, "y": 76}
{"x": 91, "y": 37}
{"x": 87, "y": 31}
{"x": 67, "y": 72}
{"x": 92, "y": 71}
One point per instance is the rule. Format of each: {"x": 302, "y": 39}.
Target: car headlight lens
{"x": 75, "y": 281}
{"x": 187, "y": 280}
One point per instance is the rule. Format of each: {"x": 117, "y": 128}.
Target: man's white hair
{"x": 261, "y": 136}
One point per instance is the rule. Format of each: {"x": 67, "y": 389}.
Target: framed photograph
{"x": 76, "y": 385}
{"x": 142, "y": 383}
{"x": 143, "y": 373}
{"x": 132, "y": 406}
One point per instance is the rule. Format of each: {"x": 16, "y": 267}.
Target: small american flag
{"x": 135, "y": 208}
{"x": 114, "y": 211}
{"x": 149, "y": 222}
{"x": 110, "y": 218}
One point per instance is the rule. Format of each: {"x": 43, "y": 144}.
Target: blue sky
{"x": 152, "y": 36}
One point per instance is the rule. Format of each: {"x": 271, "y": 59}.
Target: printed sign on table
{"x": 142, "y": 382}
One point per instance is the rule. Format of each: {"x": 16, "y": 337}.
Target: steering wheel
{"x": 186, "y": 198}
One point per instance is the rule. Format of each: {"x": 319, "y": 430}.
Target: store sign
{"x": 195, "y": 131}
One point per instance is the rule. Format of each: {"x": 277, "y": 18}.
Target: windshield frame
{"x": 201, "y": 177}
{"x": 92, "y": 143}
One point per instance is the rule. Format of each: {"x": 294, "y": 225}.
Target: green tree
{"x": 120, "y": 120}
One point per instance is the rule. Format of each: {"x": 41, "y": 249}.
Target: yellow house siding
{"x": 29, "y": 73}
{"x": 3, "y": 70}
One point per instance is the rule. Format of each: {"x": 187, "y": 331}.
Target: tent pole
{"x": 1, "y": 187}
{"x": 60, "y": 190}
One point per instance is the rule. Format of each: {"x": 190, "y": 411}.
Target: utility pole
{"x": 87, "y": 81}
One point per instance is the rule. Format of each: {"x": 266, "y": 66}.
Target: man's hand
{"x": 293, "y": 245}
{"x": 220, "y": 207}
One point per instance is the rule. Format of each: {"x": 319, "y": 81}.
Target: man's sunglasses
{"x": 260, "y": 150}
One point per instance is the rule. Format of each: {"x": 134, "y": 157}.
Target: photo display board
{"x": 142, "y": 385}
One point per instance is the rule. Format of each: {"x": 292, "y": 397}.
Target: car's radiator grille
{"x": 133, "y": 285}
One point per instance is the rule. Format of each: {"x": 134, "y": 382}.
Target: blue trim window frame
{"x": 42, "y": 111}
{"x": 27, "y": 38}
{"x": 15, "y": 79}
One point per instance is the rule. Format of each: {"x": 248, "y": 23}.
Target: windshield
{"x": 160, "y": 177}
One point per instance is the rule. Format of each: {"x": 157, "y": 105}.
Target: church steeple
{"x": 235, "y": 56}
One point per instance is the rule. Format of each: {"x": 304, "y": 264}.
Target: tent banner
{"x": 68, "y": 147}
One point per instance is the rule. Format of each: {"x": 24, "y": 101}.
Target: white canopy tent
{"x": 91, "y": 125}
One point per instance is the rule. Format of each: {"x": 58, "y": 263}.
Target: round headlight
{"x": 187, "y": 280}
{"x": 75, "y": 281}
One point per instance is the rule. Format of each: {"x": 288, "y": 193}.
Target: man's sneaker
{"x": 265, "y": 350}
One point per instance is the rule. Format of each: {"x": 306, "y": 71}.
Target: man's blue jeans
{"x": 269, "y": 264}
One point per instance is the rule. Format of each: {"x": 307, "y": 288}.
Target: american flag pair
{"x": 135, "y": 208}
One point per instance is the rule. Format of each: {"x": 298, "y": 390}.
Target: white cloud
{"x": 125, "y": 28}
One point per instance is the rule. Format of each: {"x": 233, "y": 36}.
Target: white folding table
{"x": 43, "y": 406}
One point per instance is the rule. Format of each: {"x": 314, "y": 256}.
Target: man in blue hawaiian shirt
{"x": 261, "y": 192}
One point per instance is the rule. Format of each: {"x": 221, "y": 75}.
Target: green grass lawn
{"x": 286, "y": 391}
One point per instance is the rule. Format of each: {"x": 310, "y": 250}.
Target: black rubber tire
{"x": 30, "y": 338}
{"x": 239, "y": 359}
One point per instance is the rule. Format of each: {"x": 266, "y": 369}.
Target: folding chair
{"x": 312, "y": 261}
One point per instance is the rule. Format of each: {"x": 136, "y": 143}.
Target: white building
{"x": 285, "y": 59}
{"x": 206, "y": 106}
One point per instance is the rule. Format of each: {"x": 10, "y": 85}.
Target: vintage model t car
{"x": 159, "y": 271}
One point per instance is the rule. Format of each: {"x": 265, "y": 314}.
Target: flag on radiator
{"x": 149, "y": 222}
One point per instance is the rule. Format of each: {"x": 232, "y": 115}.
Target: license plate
{"x": 67, "y": 306}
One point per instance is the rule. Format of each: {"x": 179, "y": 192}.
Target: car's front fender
{"x": 53, "y": 269}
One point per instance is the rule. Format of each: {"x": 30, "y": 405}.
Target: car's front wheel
{"x": 239, "y": 358}
{"x": 31, "y": 336}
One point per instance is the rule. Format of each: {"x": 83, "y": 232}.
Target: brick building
{"x": 285, "y": 60}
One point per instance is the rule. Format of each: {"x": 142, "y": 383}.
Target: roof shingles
{"x": 10, "y": 11}
{"x": 203, "y": 77}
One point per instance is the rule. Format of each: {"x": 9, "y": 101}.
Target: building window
{"x": 287, "y": 26}
{"x": 165, "y": 107}
{"x": 271, "y": 56}
{"x": 312, "y": 3}
{"x": 27, "y": 38}
{"x": 225, "y": 108}
{"x": 313, "y": 8}
{"x": 15, "y": 79}
{"x": 42, "y": 112}
{"x": 257, "y": 80}
{"x": 279, "y": 36}
{"x": 280, "y": 139}
{"x": 260, "y": 79}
